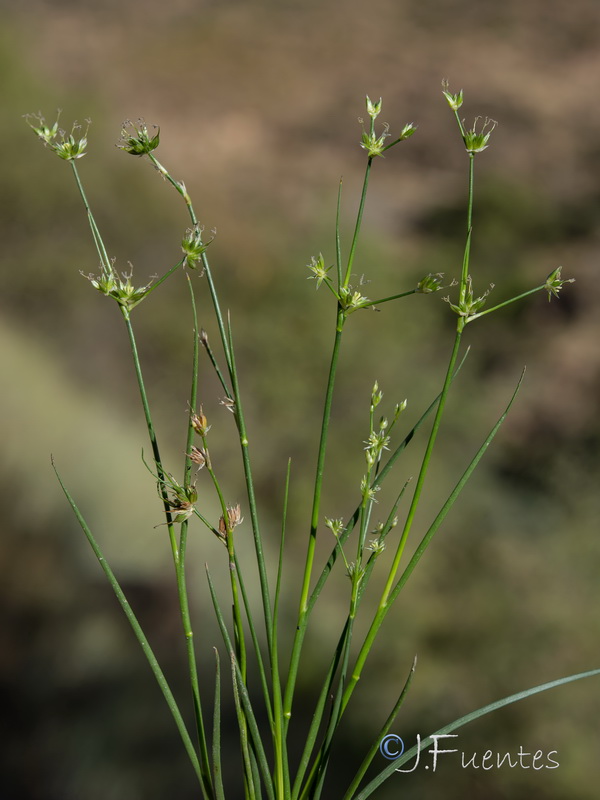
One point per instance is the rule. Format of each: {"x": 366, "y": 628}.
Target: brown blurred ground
{"x": 257, "y": 104}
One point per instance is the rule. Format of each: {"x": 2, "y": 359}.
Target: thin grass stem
{"x": 310, "y": 554}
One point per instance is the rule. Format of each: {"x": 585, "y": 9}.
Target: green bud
{"x": 455, "y": 101}
{"x": 376, "y": 395}
{"x": 373, "y": 109}
{"x": 554, "y": 283}
{"x": 430, "y": 283}
{"x": 407, "y": 130}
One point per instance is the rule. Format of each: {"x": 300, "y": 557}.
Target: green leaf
{"x": 480, "y": 712}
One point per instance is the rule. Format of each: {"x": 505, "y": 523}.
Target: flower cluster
{"x": 69, "y": 146}
{"x": 554, "y": 283}
{"x": 193, "y": 246}
{"x": 430, "y": 283}
{"x": 318, "y": 269}
{"x": 136, "y": 140}
{"x": 469, "y": 305}
{"x": 120, "y": 289}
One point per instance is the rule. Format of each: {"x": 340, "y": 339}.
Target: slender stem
{"x": 384, "y": 601}
{"x": 505, "y": 303}
{"x": 107, "y": 266}
{"x": 216, "y": 740}
{"x": 230, "y": 360}
{"x": 282, "y": 777}
{"x": 311, "y": 736}
{"x": 162, "y": 279}
{"x": 369, "y": 303}
{"x": 213, "y": 361}
{"x": 260, "y": 559}
{"x": 180, "y": 188}
{"x": 151, "y": 434}
{"x": 178, "y": 553}
{"x": 423, "y": 471}
{"x": 338, "y": 245}
{"x": 191, "y": 654}
{"x": 359, "y": 217}
{"x": 303, "y": 608}
{"x": 467, "y": 253}
{"x": 188, "y": 465}
{"x": 322, "y": 760}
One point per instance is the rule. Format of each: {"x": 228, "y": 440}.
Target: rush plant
{"x": 358, "y": 547}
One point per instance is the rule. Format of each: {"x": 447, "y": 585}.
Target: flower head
{"x": 318, "y": 269}
{"x": 136, "y": 140}
{"x": 69, "y": 146}
{"x": 455, "y": 101}
{"x": 373, "y": 109}
{"x": 554, "y": 283}
{"x": 476, "y": 141}
{"x": 193, "y": 246}
{"x": 121, "y": 288}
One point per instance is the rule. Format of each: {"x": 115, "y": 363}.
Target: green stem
{"x": 260, "y": 559}
{"x": 359, "y": 217}
{"x": 282, "y": 777}
{"x": 162, "y": 279}
{"x": 505, "y": 303}
{"x": 386, "y": 600}
{"x": 338, "y": 244}
{"x": 304, "y": 595}
{"x": 178, "y": 553}
{"x": 151, "y": 434}
{"x": 383, "y": 603}
{"x": 467, "y": 253}
{"x": 230, "y": 360}
{"x": 106, "y": 265}
{"x": 369, "y": 303}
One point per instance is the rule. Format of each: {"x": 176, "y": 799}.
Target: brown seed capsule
{"x": 198, "y": 456}
{"x": 199, "y": 423}
{"x": 234, "y": 518}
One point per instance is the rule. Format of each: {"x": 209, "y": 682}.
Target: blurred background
{"x": 258, "y": 102}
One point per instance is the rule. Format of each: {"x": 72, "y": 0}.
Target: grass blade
{"x": 205, "y": 781}
{"x": 382, "y": 732}
{"x": 473, "y": 715}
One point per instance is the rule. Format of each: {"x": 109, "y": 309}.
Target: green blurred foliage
{"x": 257, "y": 103}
